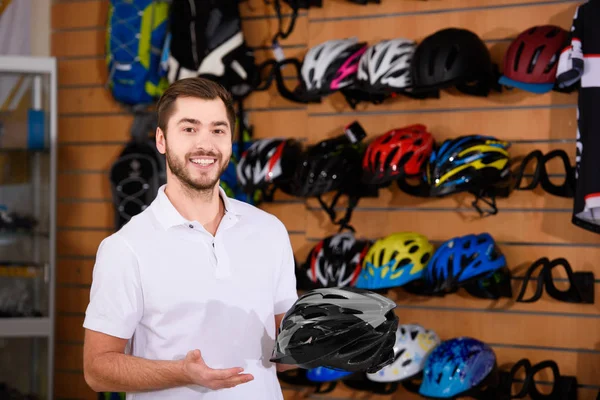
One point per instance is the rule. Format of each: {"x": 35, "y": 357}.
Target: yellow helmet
{"x": 395, "y": 260}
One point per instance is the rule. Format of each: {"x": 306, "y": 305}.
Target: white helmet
{"x": 332, "y": 65}
{"x": 385, "y": 66}
{"x": 413, "y": 345}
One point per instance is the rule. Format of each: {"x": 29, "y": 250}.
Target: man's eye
{"x": 188, "y": 129}
{"x": 219, "y": 131}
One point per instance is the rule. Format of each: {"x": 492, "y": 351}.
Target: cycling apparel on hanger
{"x": 579, "y": 63}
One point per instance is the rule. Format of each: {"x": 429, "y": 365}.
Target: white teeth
{"x": 203, "y": 162}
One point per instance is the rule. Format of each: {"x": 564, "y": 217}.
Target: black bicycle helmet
{"x": 345, "y": 328}
{"x": 268, "y": 164}
{"x": 454, "y": 57}
{"x": 335, "y": 261}
{"x": 330, "y": 165}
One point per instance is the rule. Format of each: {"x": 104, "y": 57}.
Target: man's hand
{"x": 198, "y": 373}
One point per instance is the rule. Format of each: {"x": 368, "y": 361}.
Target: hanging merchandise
{"x": 458, "y": 262}
{"x": 206, "y": 40}
{"x": 384, "y": 71}
{"x": 413, "y": 345}
{"x": 295, "y": 5}
{"x": 563, "y": 387}
{"x": 581, "y": 284}
{"x": 334, "y": 165}
{"x": 578, "y": 65}
{"x": 343, "y": 328}
{"x": 267, "y": 165}
{"x": 460, "y": 367}
{"x": 327, "y": 68}
{"x": 136, "y": 38}
{"x": 531, "y": 61}
{"x": 394, "y": 261}
{"x": 454, "y": 57}
{"x": 476, "y": 164}
{"x": 138, "y": 172}
{"x": 540, "y": 175}
{"x": 335, "y": 261}
{"x": 397, "y": 154}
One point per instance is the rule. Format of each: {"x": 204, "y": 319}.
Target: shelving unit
{"x": 28, "y": 153}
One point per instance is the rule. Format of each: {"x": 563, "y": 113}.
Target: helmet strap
{"x": 489, "y": 198}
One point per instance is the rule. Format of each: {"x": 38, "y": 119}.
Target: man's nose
{"x": 203, "y": 140}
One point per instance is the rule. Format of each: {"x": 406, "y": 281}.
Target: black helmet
{"x": 345, "y": 328}
{"x": 268, "y": 163}
{"x": 330, "y": 165}
{"x": 453, "y": 57}
{"x": 335, "y": 261}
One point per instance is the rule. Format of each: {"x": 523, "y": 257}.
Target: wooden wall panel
{"x": 534, "y": 226}
{"x": 93, "y": 129}
{"x": 340, "y": 8}
{"x": 488, "y": 23}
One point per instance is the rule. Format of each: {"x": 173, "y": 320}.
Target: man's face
{"x": 198, "y": 142}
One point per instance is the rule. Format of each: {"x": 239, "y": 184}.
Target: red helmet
{"x": 532, "y": 58}
{"x": 397, "y": 153}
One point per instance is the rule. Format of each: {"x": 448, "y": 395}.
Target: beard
{"x": 205, "y": 181}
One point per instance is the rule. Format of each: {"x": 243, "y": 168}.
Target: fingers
{"x": 223, "y": 374}
{"x": 233, "y": 382}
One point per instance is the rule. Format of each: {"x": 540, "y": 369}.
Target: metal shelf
{"x": 24, "y": 327}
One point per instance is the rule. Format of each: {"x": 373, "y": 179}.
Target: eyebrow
{"x": 220, "y": 123}
{"x": 189, "y": 121}
{"x": 194, "y": 121}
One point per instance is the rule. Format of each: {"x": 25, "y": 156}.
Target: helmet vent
{"x": 403, "y": 262}
{"x": 536, "y": 55}
{"x": 334, "y": 296}
{"x": 518, "y": 56}
{"x": 452, "y": 55}
{"x": 425, "y": 258}
{"x": 551, "y": 64}
{"x": 552, "y": 33}
{"x": 414, "y": 249}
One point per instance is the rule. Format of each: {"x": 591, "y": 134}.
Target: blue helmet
{"x": 324, "y": 374}
{"x": 461, "y": 260}
{"x": 456, "y": 366}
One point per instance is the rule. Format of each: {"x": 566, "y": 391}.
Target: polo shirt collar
{"x": 168, "y": 215}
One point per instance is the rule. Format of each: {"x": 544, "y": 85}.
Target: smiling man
{"x": 186, "y": 297}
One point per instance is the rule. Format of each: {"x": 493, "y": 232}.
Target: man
{"x": 195, "y": 285}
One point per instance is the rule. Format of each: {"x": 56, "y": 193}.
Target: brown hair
{"x": 193, "y": 87}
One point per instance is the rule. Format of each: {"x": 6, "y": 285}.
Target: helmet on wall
{"x": 395, "y": 260}
{"x": 334, "y": 261}
{"x": 531, "y": 61}
{"x": 396, "y": 154}
{"x": 453, "y": 57}
{"x": 413, "y": 345}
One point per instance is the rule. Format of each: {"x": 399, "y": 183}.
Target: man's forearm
{"x": 116, "y": 372}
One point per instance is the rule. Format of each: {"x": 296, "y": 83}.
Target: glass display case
{"x": 28, "y": 126}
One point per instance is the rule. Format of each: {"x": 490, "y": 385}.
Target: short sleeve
{"x": 116, "y": 302}
{"x": 285, "y": 289}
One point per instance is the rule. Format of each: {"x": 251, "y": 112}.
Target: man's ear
{"x": 161, "y": 141}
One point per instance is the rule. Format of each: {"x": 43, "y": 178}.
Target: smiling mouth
{"x": 204, "y": 162}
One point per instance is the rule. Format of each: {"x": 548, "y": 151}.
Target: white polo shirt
{"x": 172, "y": 287}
